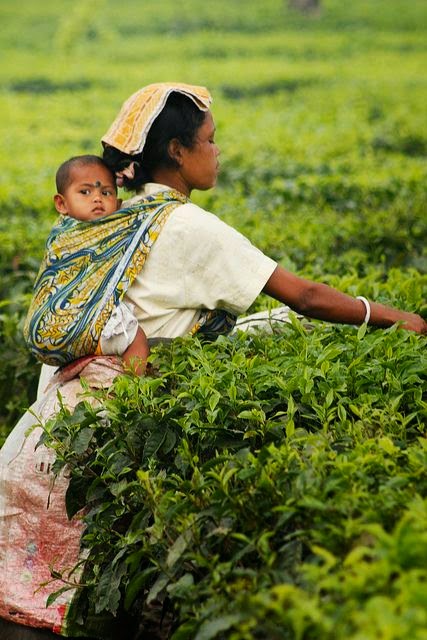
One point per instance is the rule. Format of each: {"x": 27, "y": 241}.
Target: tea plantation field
{"x": 264, "y": 486}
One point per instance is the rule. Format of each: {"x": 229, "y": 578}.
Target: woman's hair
{"x": 180, "y": 118}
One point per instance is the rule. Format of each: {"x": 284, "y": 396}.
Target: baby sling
{"x": 87, "y": 269}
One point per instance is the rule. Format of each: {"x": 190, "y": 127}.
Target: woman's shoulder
{"x": 189, "y": 212}
{"x": 148, "y": 189}
{"x": 199, "y": 221}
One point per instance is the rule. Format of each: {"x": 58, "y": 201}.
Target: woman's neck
{"x": 171, "y": 178}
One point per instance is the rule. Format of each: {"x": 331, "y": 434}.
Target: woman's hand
{"x": 317, "y": 300}
{"x": 414, "y": 322}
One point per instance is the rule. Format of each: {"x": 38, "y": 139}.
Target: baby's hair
{"x": 63, "y": 175}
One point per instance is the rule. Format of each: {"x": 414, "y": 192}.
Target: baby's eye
{"x": 106, "y": 192}
{"x": 85, "y": 192}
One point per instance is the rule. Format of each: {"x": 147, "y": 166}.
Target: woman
{"x": 198, "y": 275}
{"x": 201, "y": 274}
{"x": 163, "y": 139}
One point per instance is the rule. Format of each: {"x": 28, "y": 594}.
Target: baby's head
{"x": 86, "y": 188}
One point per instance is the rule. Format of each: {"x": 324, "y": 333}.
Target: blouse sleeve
{"x": 223, "y": 270}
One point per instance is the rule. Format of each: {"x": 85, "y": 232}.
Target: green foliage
{"x": 264, "y": 486}
{"x": 320, "y": 121}
{"x": 18, "y": 374}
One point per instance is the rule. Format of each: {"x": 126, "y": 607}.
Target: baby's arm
{"x": 135, "y": 356}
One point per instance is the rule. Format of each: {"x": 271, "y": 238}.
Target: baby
{"x": 87, "y": 193}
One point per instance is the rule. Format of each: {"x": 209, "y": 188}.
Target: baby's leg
{"x": 135, "y": 356}
{"x": 123, "y": 336}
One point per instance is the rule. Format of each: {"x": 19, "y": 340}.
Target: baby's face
{"x": 91, "y": 193}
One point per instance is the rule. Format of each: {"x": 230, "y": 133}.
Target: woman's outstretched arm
{"x": 317, "y": 300}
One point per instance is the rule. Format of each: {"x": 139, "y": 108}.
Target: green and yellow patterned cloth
{"x": 86, "y": 270}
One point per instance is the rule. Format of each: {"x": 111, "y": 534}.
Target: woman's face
{"x": 199, "y": 165}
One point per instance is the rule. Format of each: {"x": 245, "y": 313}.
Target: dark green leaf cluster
{"x": 264, "y": 486}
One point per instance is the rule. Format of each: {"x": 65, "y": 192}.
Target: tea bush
{"x": 263, "y": 486}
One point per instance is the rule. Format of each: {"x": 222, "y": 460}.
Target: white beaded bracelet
{"x": 367, "y": 307}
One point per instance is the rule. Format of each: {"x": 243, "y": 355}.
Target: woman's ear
{"x": 60, "y": 204}
{"x": 175, "y": 150}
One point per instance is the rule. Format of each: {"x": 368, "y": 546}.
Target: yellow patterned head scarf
{"x": 129, "y": 130}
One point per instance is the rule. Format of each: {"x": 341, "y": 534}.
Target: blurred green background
{"x": 320, "y": 120}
